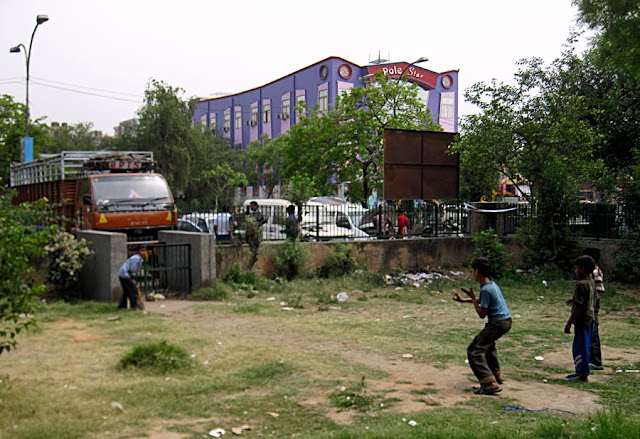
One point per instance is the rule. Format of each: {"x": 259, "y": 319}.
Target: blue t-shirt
{"x": 131, "y": 266}
{"x": 491, "y": 298}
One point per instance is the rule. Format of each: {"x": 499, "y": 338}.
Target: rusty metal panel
{"x": 417, "y": 166}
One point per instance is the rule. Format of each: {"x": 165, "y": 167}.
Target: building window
{"x": 323, "y": 100}
{"x": 253, "y": 121}
{"x": 227, "y": 122}
{"x": 286, "y": 110}
{"x": 212, "y": 122}
{"x": 446, "y": 107}
{"x": 266, "y": 112}
{"x": 301, "y": 105}
{"x": 238, "y": 124}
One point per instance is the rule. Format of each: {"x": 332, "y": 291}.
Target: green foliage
{"x": 488, "y": 244}
{"x": 245, "y": 279}
{"x": 264, "y": 163}
{"x": 627, "y": 257}
{"x": 165, "y": 127}
{"x": 290, "y": 259}
{"x": 78, "y": 137}
{"x": 220, "y": 292}
{"x": 253, "y": 235}
{"x": 157, "y": 358}
{"x": 20, "y": 244}
{"x": 355, "y": 397}
{"x": 220, "y": 179}
{"x": 265, "y": 374}
{"x": 340, "y": 260}
{"x": 66, "y": 258}
{"x": 350, "y": 134}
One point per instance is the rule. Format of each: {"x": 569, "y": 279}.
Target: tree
{"x": 618, "y": 24}
{"x": 535, "y": 128}
{"x": 264, "y": 163}
{"x": 78, "y": 137}
{"x": 12, "y": 129}
{"x": 19, "y": 244}
{"x": 165, "y": 127}
{"x": 345, "y": 144}
{"x": 220, "y": 179}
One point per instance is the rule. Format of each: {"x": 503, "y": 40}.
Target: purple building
{"x": 270, "y": 109}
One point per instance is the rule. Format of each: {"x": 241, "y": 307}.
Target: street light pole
{"x": 418, "y": 61}
{"x": 27, "y": 54}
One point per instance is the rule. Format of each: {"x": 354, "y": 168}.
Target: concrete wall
{"x": 99, "y": 276}
{"x": 203, "y": 255}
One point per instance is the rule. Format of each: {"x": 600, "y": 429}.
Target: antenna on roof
{"x": 380, "y": 60}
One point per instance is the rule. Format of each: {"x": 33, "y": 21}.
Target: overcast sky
{"x": 92, "y": 60}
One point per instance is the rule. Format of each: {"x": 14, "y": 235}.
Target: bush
{"x": 159, "y": 358}
{"x": 341, "y": 260}
{"x": 66, "y": 257}
{"x": 289, "y": 260}
{"x": 245, "y": 279}
{"x": 627, "y": 257}
{"x": 219, "y": 292}
{"x": 488, "y": 244}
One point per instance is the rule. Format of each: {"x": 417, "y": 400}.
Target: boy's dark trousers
{"x": 595, "y": 357}
{"x": 581, "y": 348}
{"x": 130, "y": 291}
{"x": 482, "y": 353}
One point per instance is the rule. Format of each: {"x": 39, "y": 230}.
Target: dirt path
{"x": 450, "y": 386}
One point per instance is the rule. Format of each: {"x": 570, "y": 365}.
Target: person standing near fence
{"x": 132, "y": 267}
{"x": 222, "y": 225}
{"x": 595, "y": 358}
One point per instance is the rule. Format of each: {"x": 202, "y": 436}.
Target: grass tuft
{"x": 157, "y": 357}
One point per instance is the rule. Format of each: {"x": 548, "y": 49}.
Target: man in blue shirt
{"x": 482, "y": 353}
{"x": 131, "y": 268}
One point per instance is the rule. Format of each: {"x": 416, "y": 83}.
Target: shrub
{"x": 219, "y": 292}
{"x": 627, "y": 257}
{"x": 158, "y": 357}
{"x": 341, "y": 260}
{"x": 289, "y": 260}
{"x": 488, "y": 244}
{"x": 66, "y": 257}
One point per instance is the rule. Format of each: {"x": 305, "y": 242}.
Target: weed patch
{"x": 157, "y": 357}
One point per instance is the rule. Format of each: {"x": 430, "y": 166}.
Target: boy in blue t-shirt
{"x": 482, "y": 353}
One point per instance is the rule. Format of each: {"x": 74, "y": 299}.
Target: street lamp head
{"x": 15, "y": 49}
{"x": 42, "y": 18}
{"x": 421, "y": 59}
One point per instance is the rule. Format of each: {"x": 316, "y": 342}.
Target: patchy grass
{"x": 282, "y": 372}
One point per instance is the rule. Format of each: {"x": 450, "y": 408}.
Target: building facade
{"x": 269, "y": 110}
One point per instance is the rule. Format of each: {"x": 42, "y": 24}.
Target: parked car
{"x": 322, "y": 222}
{"x": 189, "y": 225}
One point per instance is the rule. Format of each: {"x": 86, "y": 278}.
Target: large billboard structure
{"x": 417, "y": 166}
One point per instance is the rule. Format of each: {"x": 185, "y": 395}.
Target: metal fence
{"x": 168, "y": 267}
{"x": 426, "y": 219}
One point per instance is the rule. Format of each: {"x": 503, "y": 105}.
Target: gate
{"x": 168, "y": 268}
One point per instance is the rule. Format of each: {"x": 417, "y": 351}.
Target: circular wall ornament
{"x": 345, "y": 71}
{"x": 323, "y": 72}
{"x": 447, "y": 81}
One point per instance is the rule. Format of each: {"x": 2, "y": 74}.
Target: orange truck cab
{"x": 99, "y": 190}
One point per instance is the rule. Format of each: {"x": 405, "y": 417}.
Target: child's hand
{"x": 569, "y": 301}
{"x": 456, "y": 296}
{"x": 567, "y": 328}
{"x": 469, "y": 292}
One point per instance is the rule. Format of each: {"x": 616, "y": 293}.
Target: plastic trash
{"x": 343, "y": 297}
{"x": 117, "y": 406}
{"x": 413, "y": 423}
{"x": 217, "y": 432}
{"x": 539, "y": 358}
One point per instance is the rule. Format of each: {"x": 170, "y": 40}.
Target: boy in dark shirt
{"x": 582, "y": 304}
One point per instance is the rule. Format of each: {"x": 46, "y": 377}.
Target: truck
{"x": 100, "y": 190}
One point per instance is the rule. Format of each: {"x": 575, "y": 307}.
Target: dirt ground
{"x": 448, "y": 386}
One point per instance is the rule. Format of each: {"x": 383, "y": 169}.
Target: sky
{"x": 92, "y": 60}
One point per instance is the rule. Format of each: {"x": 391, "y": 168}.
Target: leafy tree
{"x": 345, "y": 144}
{"x": 220, "y": 179}
{"x": 19, "y": 244}
{"x": 618, "y": 25}
{"x": 535, "y": 128}
{"x": 264, "y": 163}
{"x": 207, "y": 151}
{"x": 12, "y": 129}
{"x": 165, "y": 127}
{"x": 78, "y": 137}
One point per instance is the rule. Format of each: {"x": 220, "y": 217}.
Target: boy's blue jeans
{"x": 581, "y": 348}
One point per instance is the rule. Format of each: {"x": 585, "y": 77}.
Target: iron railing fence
{"x": 592, "y": 220}
{"x": 167, "y": 268}
{"x": 345, "y": 221}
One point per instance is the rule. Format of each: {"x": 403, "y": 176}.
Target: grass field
{"x": 290, "y": 360}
